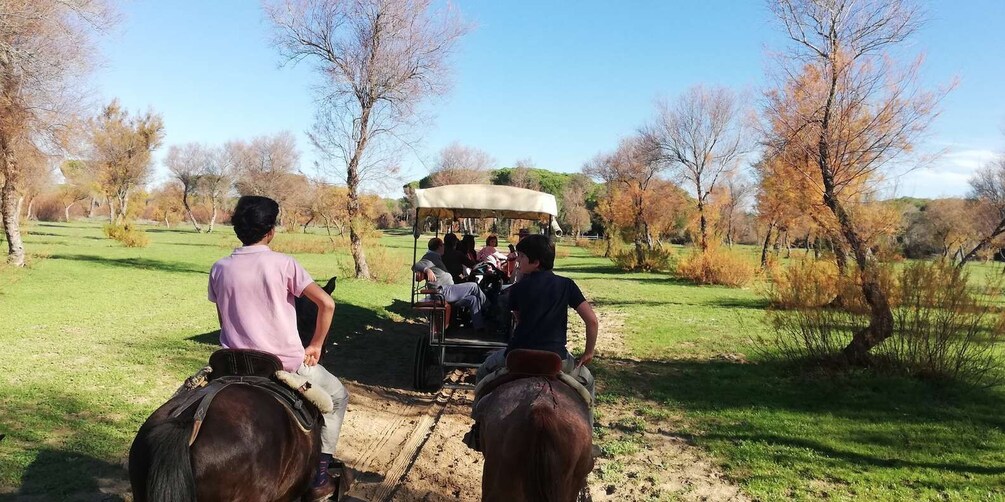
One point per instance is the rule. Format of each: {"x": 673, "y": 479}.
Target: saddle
{"x": 523, "y": 363}
{"x": 257, "y": 369}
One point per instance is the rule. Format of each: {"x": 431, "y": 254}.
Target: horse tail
{"x": 169, "y": 470}
{"x": 545, "y": 472}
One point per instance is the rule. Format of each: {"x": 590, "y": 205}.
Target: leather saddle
{"x": 246, "y": 367}
{"x": 523, "y": 363}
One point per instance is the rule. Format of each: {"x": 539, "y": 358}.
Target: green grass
{"x": 779, "y": 432}
{"x": 95, "y": 336}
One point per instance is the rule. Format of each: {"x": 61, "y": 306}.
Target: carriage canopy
{"x": 486, "y": 201}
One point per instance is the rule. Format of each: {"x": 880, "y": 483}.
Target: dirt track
{"x": 406, "y": 445}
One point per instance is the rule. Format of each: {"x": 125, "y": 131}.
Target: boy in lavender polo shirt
{"x": 254, "y": 290}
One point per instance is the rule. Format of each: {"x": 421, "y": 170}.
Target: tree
{"x": 737, "y": 189}
{"x": 46, "y": 50}
{"x": 574, "y": 212}
{"x": 846, "y": 106}
{"x": 461, "y": 164}
{"x": 264, "y": 166}
{"x": 379, "y": 59}
{"x": 187, "y": 163}
{"x": 122, "y": 146}
{"x": 702, "y": 136}
{"x": 987, "y": 187}
{"x": 630, "y": 171}
{"x": 216, "y": 180}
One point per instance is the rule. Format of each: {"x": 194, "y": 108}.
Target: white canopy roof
{"x": 486, "y": 201}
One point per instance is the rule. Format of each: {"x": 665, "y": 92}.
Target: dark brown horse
{"x": 537, "y": 442}
{"x": 249, "y": 448}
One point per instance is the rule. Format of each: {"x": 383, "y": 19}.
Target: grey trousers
{"x": 467, "y": 295}
{"x": 320, "y": 376}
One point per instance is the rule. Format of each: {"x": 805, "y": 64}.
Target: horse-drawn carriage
{"x": 451, "y": 342}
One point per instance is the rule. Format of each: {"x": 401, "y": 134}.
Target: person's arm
{"x": 585, "y": 312}
{"x": 326, "y": 309}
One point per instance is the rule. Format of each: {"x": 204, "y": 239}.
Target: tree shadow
{"x": 369, "y": 347}
{"x": 756, "y": 303}
{"x": 134, "y": 263}
{"x": 864, "y": 419}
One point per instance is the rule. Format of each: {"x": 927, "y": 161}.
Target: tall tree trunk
{"x": 984, "y": 242}
{"x": 111, "y": 211}
{"x": 352, "y": 184}
{"x": 30, "y": 214}
{"x": 188, "y": 210}
{"x": 66, "y": 212}
{"x": 767, "y": 242}
{"x": 640, "y": 253}
{"x": 8, "y": 206}
{"x": 703, "y": 225}
{"x": 91, "y": 207}
{"x": 880, "y": 314}
{"x": 212, "y": 218}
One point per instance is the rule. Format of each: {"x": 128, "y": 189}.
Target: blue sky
{"x": 557, "y": 82}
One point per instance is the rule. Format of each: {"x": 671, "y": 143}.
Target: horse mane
{"x": 169, "y": 477}
{"x": 547, "y": 479}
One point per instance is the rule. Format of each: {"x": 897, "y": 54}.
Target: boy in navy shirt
{"x": 540, "y": 303}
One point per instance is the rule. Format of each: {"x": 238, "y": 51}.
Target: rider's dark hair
{"x": 490, "y": 239}
{"x": 538, "y": 248}
{"x": 253, "y": 217}
{"x": 434, "y": 243}
{"x": 468, "y": 244}
{"x": 450, "y": 240}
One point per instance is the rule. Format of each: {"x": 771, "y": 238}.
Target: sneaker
{"x": 472, "y": 438}
{"x": 322, "y": 491}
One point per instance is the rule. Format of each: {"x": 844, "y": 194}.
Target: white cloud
{"x": 948, "y": 176}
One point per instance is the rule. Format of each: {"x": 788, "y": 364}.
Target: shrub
{"x": 385, "y": 266}
{"x": 655, "y": 259}
{"x": 127, "y": 234}
{"x": 803, "y": 284}
{"x": 943, "y": 329}
{"x": 716, "y": 266}
{"x": 295, "y": 243}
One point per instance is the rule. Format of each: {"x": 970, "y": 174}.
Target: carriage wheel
{"x": 427, "y": 373}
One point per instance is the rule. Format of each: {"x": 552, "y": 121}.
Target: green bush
{"x": 127, "y": 234}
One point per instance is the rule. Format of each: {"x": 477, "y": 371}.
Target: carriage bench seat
{"x": 434, "y": 305}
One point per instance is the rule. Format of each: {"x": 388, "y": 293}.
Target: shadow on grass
{"x": 369, "y": 347}
{"x": 140, "y": 263}
{"x": 767, "y": 411}
{"x": 58, "y": 435}
{"x": 91, "y": 478}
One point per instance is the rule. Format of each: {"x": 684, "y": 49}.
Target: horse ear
{"x": 330, "y": 286}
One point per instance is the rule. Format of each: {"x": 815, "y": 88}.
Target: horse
{"x": 248, "y": 447}
{"x": 537, "y": 440}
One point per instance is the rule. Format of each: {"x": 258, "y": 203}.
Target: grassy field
{"x": 95, "y": 336}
